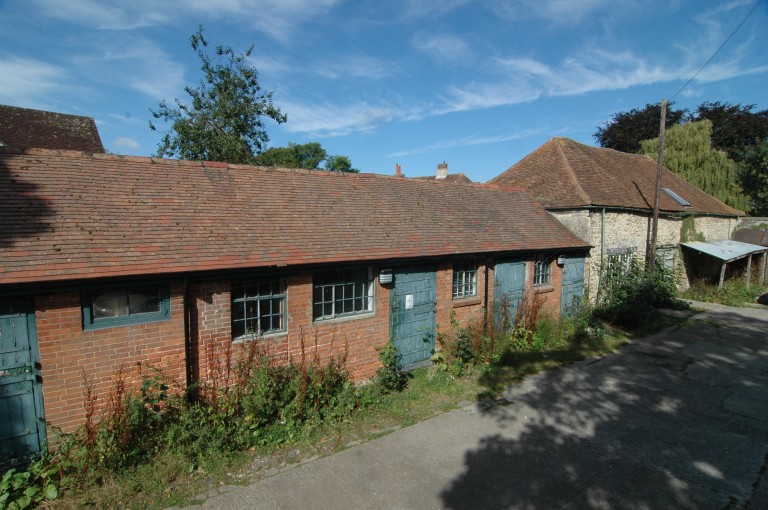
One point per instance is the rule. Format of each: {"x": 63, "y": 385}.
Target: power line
{"x": 754, "y": 8}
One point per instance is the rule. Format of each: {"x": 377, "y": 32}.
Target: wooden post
{"x": 762, "y": 271}
{"x": 651, "y": 251}
{"x": 749, "y": 268}
{"x": 722, "y": 275}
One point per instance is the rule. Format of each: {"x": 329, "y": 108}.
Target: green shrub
{"x": 389, "y": 376}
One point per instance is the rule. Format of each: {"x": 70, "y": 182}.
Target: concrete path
{"x": 675, "y": 420}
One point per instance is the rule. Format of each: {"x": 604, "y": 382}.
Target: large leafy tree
{"x": 308, "y": 155}
{"x": 753, "y": 172}
{"x": 734, "y": 127}
{"x": 224, "y": 119}
{"x": 689, "y": 153}
{"x": 626, "y": 130}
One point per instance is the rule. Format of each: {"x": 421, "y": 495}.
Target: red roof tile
{"x": 24, "y": 128}
{"x": 563, "y": 173}
{"x": 69, "y": 215}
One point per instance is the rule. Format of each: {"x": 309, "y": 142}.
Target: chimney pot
{"x": 442, "y": 170}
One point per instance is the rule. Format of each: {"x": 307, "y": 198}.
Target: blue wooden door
{"x": 573, "y": 284}
{"x": 509, "y": 287}
{"x": 22, "y": 430}
{"x": 413, "y": 308}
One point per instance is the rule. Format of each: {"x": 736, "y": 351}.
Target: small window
{"x": 619, "y": 262}
{"x": 542, "y": 270}
{"x": 464, "y": 281}
{"x": 342, "y": 293}
{"x": 122, "y": 306}
{"x": 258, "y": 308}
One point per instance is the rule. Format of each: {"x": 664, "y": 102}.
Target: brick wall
{"x": 66, "y": 350}
{"x": 360, "y": 334}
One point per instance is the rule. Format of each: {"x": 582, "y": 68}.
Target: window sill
{"x": 344, "y": 318}
{"x": 544, "y": 289}
{"x": 251, "y": 338}
{"x": 459, "y": 303}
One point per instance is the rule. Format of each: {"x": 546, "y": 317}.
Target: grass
{"x": 733, "y": 293}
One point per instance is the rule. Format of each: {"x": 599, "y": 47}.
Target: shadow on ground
{"x": 677, "y": 420}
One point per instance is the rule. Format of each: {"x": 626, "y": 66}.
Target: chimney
{"x": 442, "y": 170}
{"x": 398, "y": 172}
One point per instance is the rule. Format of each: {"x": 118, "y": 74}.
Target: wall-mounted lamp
{"x": 385, "y": 276}
{"x": 561, "y": 260}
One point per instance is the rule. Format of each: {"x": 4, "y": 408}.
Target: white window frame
{"x": 342, "y": 293}
{"x": 464, "y": 281}
{"x": 542, "y": 271}
{"x": 258, "y": 292}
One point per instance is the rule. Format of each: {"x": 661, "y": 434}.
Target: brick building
{"x": 112, "y": 263}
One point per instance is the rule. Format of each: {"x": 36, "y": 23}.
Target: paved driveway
{"x": 676, "y": 420}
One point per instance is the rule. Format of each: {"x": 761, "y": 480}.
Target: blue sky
{"x": 478, "y": 84}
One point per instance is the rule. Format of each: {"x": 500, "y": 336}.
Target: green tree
{"x": 339, "y": 163}
{"x": 688, "y": 152}
{"x": 626, "y": 130}
{"x": 734, "y": 127}
{"x": 308, "y": 155}
{"x": 753, "y": 172}
{"x": 224, "y": 119}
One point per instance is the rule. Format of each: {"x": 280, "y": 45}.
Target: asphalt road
{"x": 675, "y": 420}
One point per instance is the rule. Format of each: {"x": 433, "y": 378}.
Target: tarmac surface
{"x": 675, "y": 420}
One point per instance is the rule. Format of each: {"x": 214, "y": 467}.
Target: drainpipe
{"x": 602, "y": 253}
{"x": 187, "y": 334}
{"x": 485, "y": 297}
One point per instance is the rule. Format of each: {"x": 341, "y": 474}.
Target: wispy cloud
{"x": 357, "y": 66}
{"x": 445, "y": 48}
{"x": 337, "y": 120}
{"x": 430, "y": 8}
{"x": 277, "y": 18}
{"x": 467, "y": 141}
{"x": 558, "y": 12}
{"x": 126, "y": 142}
{"x": 29, "y": 82}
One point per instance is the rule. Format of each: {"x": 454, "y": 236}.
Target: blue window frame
{"x": 258, "y": 308}
{"x": 123, "y": 306}
{"x": 342, "y": 293}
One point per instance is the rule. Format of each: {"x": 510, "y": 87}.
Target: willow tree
{"x": 688, "y": 152}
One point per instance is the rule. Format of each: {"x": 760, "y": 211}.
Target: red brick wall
{"x": 360, "y": 334}
{"x": 66, "y": 350}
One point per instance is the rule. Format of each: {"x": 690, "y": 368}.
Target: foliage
{"x": 390, "y": 376}
{"x": 733, "y": 293}
{"x": 626, "y": 130}
{"x": 339, "y": 163}
{"x": 26, "y": 489}
{"x": 688, "y": 153}
{"x": 308, "y": 156}
{"x": 735, "y": 127}
{"x": 223, "y": 121}
{"x": 753, "y": 174}
{"x": 630, "y": 299}
{"x": 688, "y": 230}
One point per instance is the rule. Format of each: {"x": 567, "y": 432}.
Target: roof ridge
{"x": 579, "y": 190}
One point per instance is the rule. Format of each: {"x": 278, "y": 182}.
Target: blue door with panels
{"x": 508, "y": 291}
{"x": 573, "y": 284}
{"x": 413, "y": 309}
{"x": 22, "y": 429}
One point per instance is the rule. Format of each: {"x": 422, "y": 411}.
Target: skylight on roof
{"x": 677, "y": 197}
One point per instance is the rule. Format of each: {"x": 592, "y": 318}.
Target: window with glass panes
{"x": 464, "y": 281}
{"x": 258, "y": 308}
{"x": 119, "y": 306}
{"x": 542, "y": 270}
{"x": 341, "y": 293}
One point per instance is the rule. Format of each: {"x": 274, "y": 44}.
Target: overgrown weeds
{"x": 733, "y": 292}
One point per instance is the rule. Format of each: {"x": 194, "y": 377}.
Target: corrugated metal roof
{"x": 725, "y": 250}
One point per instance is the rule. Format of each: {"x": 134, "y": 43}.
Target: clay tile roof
{"x": 69, "y": 215}
{"x": 24, "y": 128}
{"x": 563, "y": 173}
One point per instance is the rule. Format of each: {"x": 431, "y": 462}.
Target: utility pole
{"x": 651, "y": 249}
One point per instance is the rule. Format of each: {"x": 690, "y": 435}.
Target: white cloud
{"x": 467, "y": 141}
{"x": 127, "y": 142}
{"x": 337, "y": 120}
{"x": 277, "y": 18}
{"x": 559, "y": 12}
{"x": 360, "y": 66}
{"x": 444, "y": 48}
{"x": 29, "y": 82}
{"x": 426, "y": 8}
